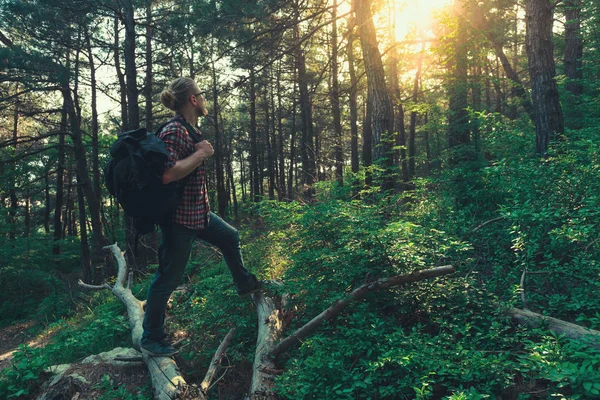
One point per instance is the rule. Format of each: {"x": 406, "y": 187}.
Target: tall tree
{"x": 539, "y": 18}
{"x": 573, "y": 46}
{"x": 335, "y": 98}
{"x": 378, "y": 94}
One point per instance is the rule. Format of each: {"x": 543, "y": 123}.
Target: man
{"x": 192, "y": 219}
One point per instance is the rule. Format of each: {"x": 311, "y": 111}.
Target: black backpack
{"x": 134, "y": 177}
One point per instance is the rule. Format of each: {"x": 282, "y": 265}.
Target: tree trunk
{"x": 94, "y": 132}
{"x": 335, "y": 99}
{"x": 307, "y": 146}
{"x": 573, "y": 46}
{"x": 219, "y": 154}
{"x": 148, "y": 80}
{"x": 254, "y": 175}
{"x": 60, "y": 172}
{"x": 133, "y": 109}
{"x": 121, "y": 78}
{"x": 367, "y": 146}
{"x": 538, "y": 41}
{"x": 98, "y": 238}
{"x": 293, "y": 140}
{"x": 413, "y": 119}
{"x": 86, "y": 256}
{"x": 280, "y": 153}
{"x": 353, "y": 99}
{"x": 269, "y": 116}
{"x": 13, "y": 180}
{"x": 378, "y": 95}
{"x": 458, "y": 118}
{"x": 47, "y": 202}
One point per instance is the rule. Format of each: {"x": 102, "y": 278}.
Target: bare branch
{"x": 212, "y": 369}
{"x": 356, "y": 294}
{"x": 487, "y": 223}
{"x": 94, "y": 287}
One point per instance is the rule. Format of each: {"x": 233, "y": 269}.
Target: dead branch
{"x": 212, "y": 369}
{"x": 486, "y": 223}
{"x": 167, "y": 381}
{"x": 534, "y": 320}
{"x": 356, "y": 294}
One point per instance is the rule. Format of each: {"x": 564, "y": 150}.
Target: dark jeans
{"x": 173, "y": 255}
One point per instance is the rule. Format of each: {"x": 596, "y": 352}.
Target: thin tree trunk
{"x": 219, "y": 155}
{"x": 293, "y": 141}
{"x": 60, "y": 172}
{"x": 86, "y": 256}
{"x": 47, "y": 202}
{"x": 98, "y": 238}
{"x": 13, "y": 181}
{"x": 458, "y": 118}
{"x": 335, "y": 99}
{"x": 94, "y": 132}
{"x": 307, "y": 145}
{"x": 133, "y": 109}
{"x": 353, "y": 100}
{"x": 538, "y": 41}
{"x": 367, "y": 147}
{"x": 121, "y": 78}
{"x": 254, "y": 176}
{"x": 148, "y": 80}
{"x": 413, "y": 119}
{"x": 281, "y": 156}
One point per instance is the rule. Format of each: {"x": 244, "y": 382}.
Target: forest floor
{"x": 14, "y": 335}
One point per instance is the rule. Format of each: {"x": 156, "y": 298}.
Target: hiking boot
{"x": 159, "y": 349}
{"x": 252, "y": 285}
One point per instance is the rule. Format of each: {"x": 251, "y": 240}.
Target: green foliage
{"x": 110, "y": 392}
{"x": 23, "y": 374}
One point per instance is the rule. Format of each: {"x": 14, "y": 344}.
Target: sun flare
{"x": 415, "y": 16}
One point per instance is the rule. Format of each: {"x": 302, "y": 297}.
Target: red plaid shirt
{"x": 193, "y": 209}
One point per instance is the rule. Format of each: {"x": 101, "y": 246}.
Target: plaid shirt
{"x": 193, "y": 209}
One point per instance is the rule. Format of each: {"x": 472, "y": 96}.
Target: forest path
{"x": 14, "y": 335}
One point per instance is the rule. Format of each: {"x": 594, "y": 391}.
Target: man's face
{"x": 200, "y": 102}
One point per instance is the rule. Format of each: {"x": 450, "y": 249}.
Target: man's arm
{"x": 185, "y": 166}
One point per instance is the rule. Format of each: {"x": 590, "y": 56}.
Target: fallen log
{"x": 356, "y": 294}
{"x": 167, "y": 382}
{"x": 590, "y": 337}
{"x": 270, "y": 325}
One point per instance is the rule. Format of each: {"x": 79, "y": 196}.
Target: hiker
{"x": 192, "y": 219}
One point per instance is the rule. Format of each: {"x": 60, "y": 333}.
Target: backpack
{"x": 134, "y": 177}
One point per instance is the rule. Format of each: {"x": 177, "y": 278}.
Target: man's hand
{"x": 205, "y": 149}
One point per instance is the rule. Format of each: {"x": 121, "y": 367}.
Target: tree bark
{"x": 254, "y": 175}
{"x": 98, "y": 238}
{"x": 378, "y": 95}
{"x": 413, "y": 119}
{"x": 353, "y": 99}
{"x": 458, "y": 118}
{"x": 572, "y": 331}
{"x": 149, "y": 66}
{"x": 133, "y": 109}
{"x": 219, "y": 154}
{"x": 573, "y": 47}
{"x": 367, "y": 145}
{"x": 94, "y": 132}
{"x": 121, "y": 78}
{"x": 13, "y": 178}
{"x": 60, "y": 176}
{"x": 538, "y": 41}
{"x": 307, "y": 139}
{"x": 335, "y": 99}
